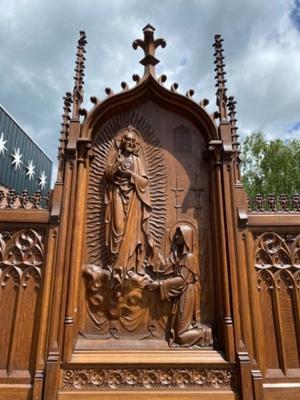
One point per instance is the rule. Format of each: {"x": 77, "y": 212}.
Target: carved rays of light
{"x": 30, "y": 170}
{"x": 43, "y": 180}
{"x": 156, "y": 170}
{"x": 17, "y": 158}
{"x": 2, "y": 144}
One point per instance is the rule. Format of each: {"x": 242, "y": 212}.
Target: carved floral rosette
{"x": 148, "y": 378}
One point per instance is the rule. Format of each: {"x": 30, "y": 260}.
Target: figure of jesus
{"x": 127, "y": 209}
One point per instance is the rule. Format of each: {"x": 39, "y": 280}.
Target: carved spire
{"x": 149, "y": 45}
{"x": 234, "y": 136}
{"x": 64, "y": 135}
{"x": 220, "y": 77}
{"x": 79, "y": 74}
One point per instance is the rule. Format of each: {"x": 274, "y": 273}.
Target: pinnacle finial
{"x": 220, "y": 77}
{"x": 79, "y": 74}
{"x": 149, "y": 45}
{"x": 63, "y": 135}
{"x": 234, "y": 137}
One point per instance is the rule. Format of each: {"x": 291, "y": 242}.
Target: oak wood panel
{"x": 152, "y": 357}
{"x": 283, "y": 391}
{"x": 25, "y": 216}
{"x": 8, "y": 303}
{"x": 264, "y": 220}
{"x": 289, "y": 322}
{"x": 25, "y": 334}
{"x": 12, "y": 391}
{"x": 120, "y": 395}
{"x": 270, "y": 333}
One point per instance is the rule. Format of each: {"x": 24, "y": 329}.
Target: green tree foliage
{"x": 270, "y": 167}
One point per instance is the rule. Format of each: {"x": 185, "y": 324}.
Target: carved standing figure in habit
{"x": 127, "y": 209}
{"x": 181, "y": 285}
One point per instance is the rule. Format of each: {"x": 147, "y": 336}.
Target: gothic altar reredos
{"x": 143, "y": 265}
{"x": 144, "y": 284}
{"x": 147, "y": 275}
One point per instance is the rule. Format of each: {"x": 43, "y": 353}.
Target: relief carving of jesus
{"x": 127, "y": 208}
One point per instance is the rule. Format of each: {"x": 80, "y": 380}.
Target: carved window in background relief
{"x": 182, "y": 139}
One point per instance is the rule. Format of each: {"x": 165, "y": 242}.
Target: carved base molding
{"x": 148, "y": 378}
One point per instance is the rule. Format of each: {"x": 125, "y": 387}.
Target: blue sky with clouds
{"x": 261, "y": 41}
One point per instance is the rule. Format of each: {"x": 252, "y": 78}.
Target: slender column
{"x": 44, "y": 315}
{"x": 76, "y": 250}
{"x": 227, "y": 323}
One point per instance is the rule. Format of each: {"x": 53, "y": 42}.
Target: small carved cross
{"x": 177, "y": 191}
{"x": 149, "y": 45}
{"x": 197, "y": 191}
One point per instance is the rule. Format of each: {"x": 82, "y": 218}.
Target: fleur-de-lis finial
{"x": 149, "y": 45}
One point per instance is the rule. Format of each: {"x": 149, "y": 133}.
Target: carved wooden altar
{"x": 148, "y": 276}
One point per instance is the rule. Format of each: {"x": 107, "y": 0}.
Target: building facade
{"x": 23, "y": 164}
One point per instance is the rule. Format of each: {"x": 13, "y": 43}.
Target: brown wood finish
{"x": 147, "y": 276}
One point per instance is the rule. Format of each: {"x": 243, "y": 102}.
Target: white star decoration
{"x": 43, "y": 180}
{"x": 17, "y": 158}
{"x": 2, "y": 144}
{"x": 30, "y": 170}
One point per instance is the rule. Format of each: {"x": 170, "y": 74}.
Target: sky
{"x": 261, "y": 48}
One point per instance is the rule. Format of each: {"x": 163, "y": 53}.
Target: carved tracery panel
{"x": 278, "y": 283}
{"x": 21, "y": 259}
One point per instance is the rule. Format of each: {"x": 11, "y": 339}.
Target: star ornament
{"x": 30, "y": 170}
{"x": 2, "y": 144}
{"x": 43, "y": 180}
{"x": 17, "y": 158}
